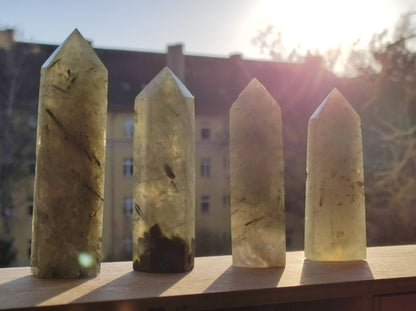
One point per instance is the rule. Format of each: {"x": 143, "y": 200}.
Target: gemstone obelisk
{"x": 164, "y": 169}
{"x": 70, "y": 154}
{"x": 335, "y": 207}
{"x": 257, "y": 181}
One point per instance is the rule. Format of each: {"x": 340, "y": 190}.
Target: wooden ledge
{"x": 214, "y": 283}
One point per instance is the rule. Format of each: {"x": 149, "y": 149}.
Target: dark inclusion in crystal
{"x": 162, "y": 254}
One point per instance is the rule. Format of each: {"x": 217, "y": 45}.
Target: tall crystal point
{"x": 164, "y": 169}
{"x": 70, "y": 152}
{"x": 257, "y": 181}
{"x": 335, "y": 207}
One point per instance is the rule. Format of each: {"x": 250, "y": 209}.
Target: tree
{"x": 8, "y": 253}
{"x": 270, "y": 42}
{"x": 16, "y": 139}
{"x": 389, "y": 132}
{"x": 382, "y": 83}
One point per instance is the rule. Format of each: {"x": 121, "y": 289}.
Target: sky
{"x": 205, "y": 27}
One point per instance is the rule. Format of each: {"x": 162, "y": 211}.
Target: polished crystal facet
{"x": 257, "y": 182}
{"x": 164, "y": 169}
{"x": 70, "y": 154}
{"x": 335, "y": 208}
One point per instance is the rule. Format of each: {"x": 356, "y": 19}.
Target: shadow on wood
{"x": 150, "y": 284}
{"x": 314, "y": 272}
{"x": 246, "y": 278}
{"x": 34, "y": 291}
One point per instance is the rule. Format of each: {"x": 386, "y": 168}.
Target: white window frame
{"x": 205, "y": 131}
{"x": 205, "y": 204}
{"x": 128, "y": 206}
{"x": 129, "y": 128}
{"x": 128, "y": 167}
{"x": 206, "y": 168}
{"x": 30, "y": 206}
{"x": 128, "y": 245}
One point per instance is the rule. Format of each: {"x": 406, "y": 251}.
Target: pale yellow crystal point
{"x": 335, "y": 207}
{"x": 164, "y": 169}
{"x": 70, "y": 151}
{"x": 257, "y": 182}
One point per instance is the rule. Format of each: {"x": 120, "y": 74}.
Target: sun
{"x": 323, "y": 24}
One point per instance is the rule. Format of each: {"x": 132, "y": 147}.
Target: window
{"x": 32, "y": 167}
{"x": 128, "y": 167}
{"x": 33, "y": 122}
{"x": 129, "y": 128}
{"x": 29, "y": 249}
{"x": 205, "y": 204}
{"x": 128, "y": 244}
{"x": 205, "y": 168}
{"x": 128, "y": 206}
{"x": 205, "y": 131}
{"x": 30, "y": 206}
{"x": 288, "y": 239}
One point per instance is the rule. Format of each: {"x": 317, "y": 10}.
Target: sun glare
{"x": 323, "y": 24}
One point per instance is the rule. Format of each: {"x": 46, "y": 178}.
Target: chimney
{"x": 236, "y": 57}
{"x": 314, "y": 61}
{"x": 6, "y": 38}
{"x": 236, "y": 60}
{"x": 175, "y": 60}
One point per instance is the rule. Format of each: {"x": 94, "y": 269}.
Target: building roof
{"x": 214, "y": 82}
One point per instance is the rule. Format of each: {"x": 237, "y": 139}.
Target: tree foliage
{"x": 389, "y": 128}
{"x": 383, "y": 84}
{"x": 7, "y": 253}
{"x": 16, "y": 139}
{"x": 271, "y": 43}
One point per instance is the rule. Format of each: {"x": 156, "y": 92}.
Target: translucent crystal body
{"x": 70, "y": 154}
{"x": 257, "y": 181}
{"x": 164, "y": 169}
{"x": 335, "y": 207}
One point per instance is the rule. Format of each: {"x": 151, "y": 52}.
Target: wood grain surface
{"x": 215, "y": 283}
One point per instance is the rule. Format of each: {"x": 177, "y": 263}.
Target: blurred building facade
{"x": 215, "y": 84}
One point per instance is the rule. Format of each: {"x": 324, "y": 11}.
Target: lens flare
{"x": 85, "y": 260}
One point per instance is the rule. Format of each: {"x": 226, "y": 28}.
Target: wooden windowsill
{"x": 214, "y": 284}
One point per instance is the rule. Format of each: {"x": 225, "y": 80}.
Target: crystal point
{"x": 70, "y": 154}
{"x": 257, "y": 184}
{"x": 333, "y": 102}
{"x": 335, "y": 207}
{"x": 165, "y": 81}
{"x": 164, "y": 168}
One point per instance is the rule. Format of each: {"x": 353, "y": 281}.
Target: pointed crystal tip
{"x": 254, "y": 84}
{"x": 254, "y": 81}
{"x": 71, "y": 46}
{"x": 182, "y": 87}
{"x": 254, "y": 93}
{"x": 164, "y": 77}
{"x": 334, "y": 98}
